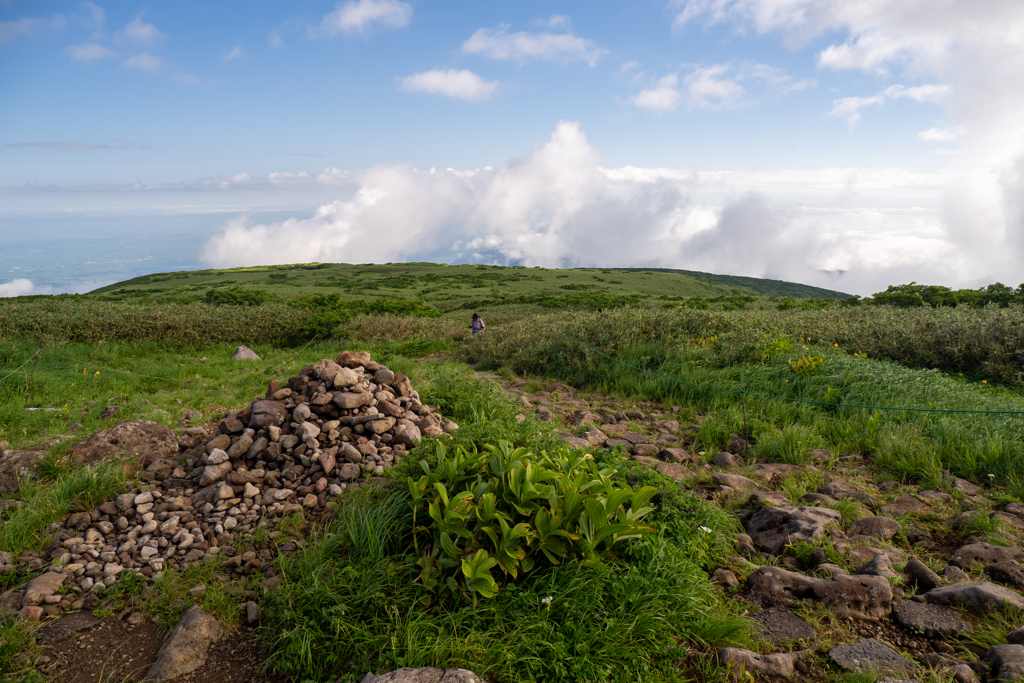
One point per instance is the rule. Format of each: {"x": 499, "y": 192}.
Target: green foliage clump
{"x": 329, "y": 311}
{"x": 239, "y": 296}
{"x": 914, "y": 295}
{"x": 508, "y": 508}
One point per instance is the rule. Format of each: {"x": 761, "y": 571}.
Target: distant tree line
{"x": 914, "y": 295}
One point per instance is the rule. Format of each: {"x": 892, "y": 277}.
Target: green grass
{"x": 350, "y": 603}
{"x": 906, "y": 446}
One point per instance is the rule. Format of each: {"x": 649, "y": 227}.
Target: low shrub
{"x": 508, "y": 508}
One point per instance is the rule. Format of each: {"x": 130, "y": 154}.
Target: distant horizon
{"x": 845, "y": 145}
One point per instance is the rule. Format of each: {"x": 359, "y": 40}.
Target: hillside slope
{"x": 453, "y": 286}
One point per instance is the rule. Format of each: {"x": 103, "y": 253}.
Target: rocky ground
{"x": 839, "y": 570}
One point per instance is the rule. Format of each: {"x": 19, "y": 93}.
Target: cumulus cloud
{"x": 940, "y": 134}
{"x": 523, "y": 46}
{"x": 26, "y": 27}
{"x": 145, "y": 61}
{"x": 90, "y": 52}
{"x": 717, "y": 87}
{"x": 664, "y": 96}
{"x": 361, "y": 15}
{"x": 138, "y": 31}
{"x": 458, "y": 85}
{"x": 236, "y": 53}
{"x": 974, "y": 49}
{"x": 22, "y": 287}
{"x": 557, "y": 206}
{"x": 849, "y": 107}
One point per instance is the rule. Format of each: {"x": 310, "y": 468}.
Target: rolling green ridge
{"x": 453, "y": 287}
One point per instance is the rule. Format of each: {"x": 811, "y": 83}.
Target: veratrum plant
{"x": 510, "y": 509}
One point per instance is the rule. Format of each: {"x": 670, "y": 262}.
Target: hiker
{"x": 478, "y": 324}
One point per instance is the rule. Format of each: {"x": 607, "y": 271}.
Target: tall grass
{"x": 652, "y": 347}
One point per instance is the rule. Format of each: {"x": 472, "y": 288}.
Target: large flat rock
{"x": 772, "y": 529}
{"x": 869, "y": 654}
{"x": 979, "y": 598}
{"x": 934, "y": 621}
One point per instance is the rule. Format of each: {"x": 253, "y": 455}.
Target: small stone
{"x": 919, "y": 573}
{"x": 725, "y": 578}
{"x": 252, "y": 613}
{"x": 245, "y": 353}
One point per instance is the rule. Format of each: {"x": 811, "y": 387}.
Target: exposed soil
{"x": 81, "y": 648}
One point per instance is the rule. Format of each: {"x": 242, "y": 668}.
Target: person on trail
{"x": 478, "y": 324}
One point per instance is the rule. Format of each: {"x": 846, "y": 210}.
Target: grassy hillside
{"x": 452, "y": 287}
{"x": 761, "y": 285}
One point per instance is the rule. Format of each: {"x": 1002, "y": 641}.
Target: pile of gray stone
{"x": 331, "y": 426}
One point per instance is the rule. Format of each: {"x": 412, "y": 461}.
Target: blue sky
{"x": 849, "y": 144}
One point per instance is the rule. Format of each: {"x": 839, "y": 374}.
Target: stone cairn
{"x": 332, "y": 425}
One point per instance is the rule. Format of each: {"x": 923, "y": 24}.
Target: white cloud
{"x": 707, "y": 90}
{"x": 144, "y": 61}
{"x": 138, "y": 31}
{"x": 90, "y": 52}
{"x": 974, "y": 48}
{"x": 22, "y": 287}
{"x": 236, "y": 53}
{"x": 26, "y": 27}
{"x": 360, "y": 15}
{"x": 849, "y": 107}
{"x": 557, "y": 206}
{"x": 97, "y": 18}
{"x": 940, "y": 134}
{"x": 459, "y": 85}
{"x": 717, "y": 87}
{"x": 274, "y": 38}
{"x": 523, "y": 46}
{"x": 662, "y": 97}
{"x": 555, "y": 21}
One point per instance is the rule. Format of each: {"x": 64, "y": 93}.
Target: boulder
{"x": 1009, "y": 572}
{"x": 862, "y": 597}
{"x": 782, "y": 626}
{"x": 325, "y": 371}
{"x": 42, "y": 587}
{"x": 727, "y": 460}
{"x": 353, "y": 359}
{"x": 147, "y": 441}
{"x": 780, "y": 664}
{"x": 918, "y": 572}
{"x": 879, "y": 565}
{"x": 772, "y": 529}
{"x": 983, "y": 553}
{"x": 245, "y": 353}
{"x": 267, "y": 413}
{"x": 186, "y": 647}
{"x": 16, "y": 467}
{"x": 349, "y": 401}
{"x": 979, "y": 598}
{"x": 345, "y": 378}
{"x": 1007, "y": 661}
{"x": 735, "y": 481}
{"x": 774, "y": 587}
{"x": 674, "y": 455}
{"x": 880, "y": 527}
{"x": 934, "y": 621}
{"x": 870, "y": 655}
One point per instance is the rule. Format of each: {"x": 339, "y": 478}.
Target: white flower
{"x": 547, "y": 600}
{"x": 705, "y": 530}
{"x": 991, "y": 476}
{"x": 701, "y": 453}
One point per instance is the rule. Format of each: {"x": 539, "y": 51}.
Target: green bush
{"x": 239, "y": 296}
{"x": 508, "y": 508}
